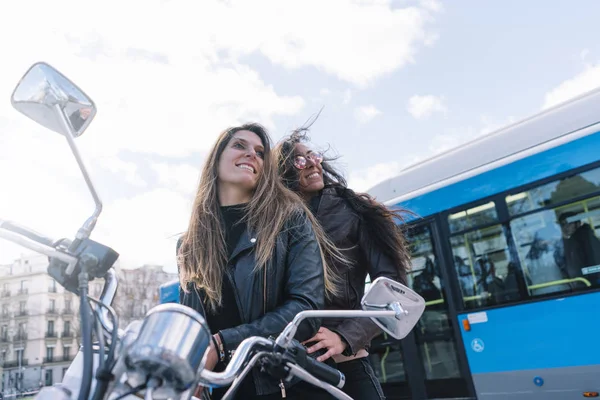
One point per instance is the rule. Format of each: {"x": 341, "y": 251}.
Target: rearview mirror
{"x": 386, "y": 294}
{"x": 43, "y": 94}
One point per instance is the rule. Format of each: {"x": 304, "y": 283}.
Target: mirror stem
{"x": 88, "y": 226}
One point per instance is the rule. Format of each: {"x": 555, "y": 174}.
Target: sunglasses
{"x": 301, "y": 162}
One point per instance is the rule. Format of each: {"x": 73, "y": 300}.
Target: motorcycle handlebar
{"x": 218, "y": 379}
{"x": 325, "y": 373}
{"x": 28, "y": 233}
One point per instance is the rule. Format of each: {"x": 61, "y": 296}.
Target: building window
{"x": 23, "y": 288}
{"x": 67, "y": 305}
{"x": 4, "y": 333}
{"x": 52, "y": 287}
{"x": 66, "y": 353}
{"x": 49, "y": 354}
{"x": 52, "y": 307}
{"x": 67, "y": 329}
{"x": 23, "y": 307}
{"x": 48, "y": 380}
{"x": 5, "y": 310}
{"x": 50, "y": 332}
{"x": 19, "y": 355}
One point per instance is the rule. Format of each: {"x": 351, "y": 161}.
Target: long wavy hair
{"x": 202, "y": 255}
{"x": 384, "y": 225}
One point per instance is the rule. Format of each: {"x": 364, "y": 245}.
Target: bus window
{"x": 559, "y": 249}
{"x": 476, "y": 216}
{"x": 554, "y": 193}
{"x": 486, "y": 275}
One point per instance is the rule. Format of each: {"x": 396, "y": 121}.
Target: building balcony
{"x": 20, "y": 337}
{"x": 5, "y": 293}
{"x": 51, "y": 360}
{"x": 4, "y": 316}
{"x": 4, "y": 339}
{"x": 52, "y": 289}
{"x": 66, "y": 335}
{"x": 51, "y": 335}
{"x": 52, "y": 311}
{"x": 15, "y": 363}
{"x": 67, "y": 357}
{"x": 21, "y": 313}
{"x": 67, "y": 311}
{"x": 23, "y": 291}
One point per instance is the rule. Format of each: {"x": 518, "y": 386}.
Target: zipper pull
{"x": 282, "y": 386}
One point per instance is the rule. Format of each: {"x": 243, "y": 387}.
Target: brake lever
{"x": 238, "y": 380}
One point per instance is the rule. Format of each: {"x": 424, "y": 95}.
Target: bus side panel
{"x": 542, "y": 350}
{"x": 169, "y": 292}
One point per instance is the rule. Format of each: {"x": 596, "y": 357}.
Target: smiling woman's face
{"x": 241, "y": 163}
{"x": 310, "y": 179}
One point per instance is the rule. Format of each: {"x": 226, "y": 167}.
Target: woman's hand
{"x": 326, "y": 339}
{"x": 212, "y": 359}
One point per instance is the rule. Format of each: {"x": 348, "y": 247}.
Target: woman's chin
{"x": 313, "y": 187}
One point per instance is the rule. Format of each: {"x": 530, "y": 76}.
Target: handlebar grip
{"x": 325, "y": 373}
{"x": 21, "y": 230}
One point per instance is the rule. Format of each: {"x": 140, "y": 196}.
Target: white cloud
{"x": 422, "y": 107}
{"x": 585, "y": 81}
{"x": 346, "y": 51}
{"x": 145, "y": 228}
{"x": 127, "y": 170}
{"x": 166, "y": 88}
{"x": 183, "y": 177}
{"x": 347, "y": 96}
{"x": 365, "y": 114}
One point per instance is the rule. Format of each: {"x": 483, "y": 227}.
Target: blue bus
{"x": 505, "y": 251}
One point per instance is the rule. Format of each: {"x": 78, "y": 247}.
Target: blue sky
{"x": 399, "y": 82}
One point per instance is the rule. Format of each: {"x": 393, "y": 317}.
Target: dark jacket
{"x": 345, "y": 227}
{"x": 269, "y": 299}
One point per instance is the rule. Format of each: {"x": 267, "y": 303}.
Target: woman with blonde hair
{"x": 251, "y": 257}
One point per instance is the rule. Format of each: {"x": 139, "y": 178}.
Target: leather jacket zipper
{"x": 237, "y": 297}
{"x": 282, "y": 387}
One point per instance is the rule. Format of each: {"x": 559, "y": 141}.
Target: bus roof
{"x": 489, "y": 151}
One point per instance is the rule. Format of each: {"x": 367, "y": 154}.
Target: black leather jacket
{"x": 270, "y": 298}
{"x": 343, "y": 225}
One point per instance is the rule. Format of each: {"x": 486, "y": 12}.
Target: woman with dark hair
{"x": 251, "y": 257}
{"x": 368, "y": 237}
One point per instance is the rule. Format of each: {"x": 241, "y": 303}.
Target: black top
{"x": 228, "y": 315}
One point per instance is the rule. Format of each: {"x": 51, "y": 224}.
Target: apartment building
{"x": 38, "y": 326}
{"x": 39, "y": 319}
{"x": 138, "y": 291}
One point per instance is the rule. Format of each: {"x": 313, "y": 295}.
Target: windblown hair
{"x": 202, "y": 255}
{"x": 383, "y": 225}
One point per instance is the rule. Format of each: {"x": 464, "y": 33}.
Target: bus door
{"x": 426, "y": 363}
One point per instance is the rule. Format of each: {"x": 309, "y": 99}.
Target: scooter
{"x": 163, "y": 355}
